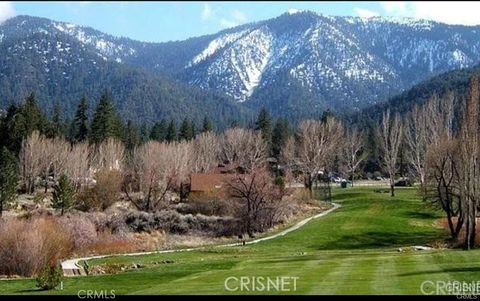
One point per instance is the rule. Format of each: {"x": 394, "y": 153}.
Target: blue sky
{"x": 164, "y": 21}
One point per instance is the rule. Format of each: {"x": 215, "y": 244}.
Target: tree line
{"x": 441, "y": 142}
{"x": 440, "y": 150}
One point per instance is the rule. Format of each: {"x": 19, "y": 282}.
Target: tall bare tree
{"x": 181, "y": 165}
{"x": 353, "y": 150}
{"x": 206, "y": 152}
{"x": 443, "y": 183}
{"x": 417, "y": 140}
{"x": 31, "y": 160}
{"x": 77, "y": 166}
{"x": 109, "y": 155}
{"x": 61, "y": 156}
{"x": 469, "y": 152}
{"x": 439, "y": 116}
{"x": 244, "y": 147}
{"x": 46, "y": 149}
{"x": 315, "y": 146}
{"x": 390, "y": 137}
{"x": 255, "y": 193}
{"x": 427, "y": 125}
{"x": 158, "y": 169}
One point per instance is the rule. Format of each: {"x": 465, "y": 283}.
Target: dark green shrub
{"x": 280, "y": 181}
{"x": 50, "y": 277}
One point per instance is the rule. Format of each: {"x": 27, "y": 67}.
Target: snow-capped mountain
{"x": 297, "y": 64}
{"x": 62, "y": 62}
{"x": 107, "y": 46}
{"x": 344, "y": 62}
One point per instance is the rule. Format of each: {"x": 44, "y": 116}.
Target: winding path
{"x": 71, "y": 267}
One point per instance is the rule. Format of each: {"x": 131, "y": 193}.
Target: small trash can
{"x": 343, "y": 184}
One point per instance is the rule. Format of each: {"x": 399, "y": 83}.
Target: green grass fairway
{"x": 353, "y": 250}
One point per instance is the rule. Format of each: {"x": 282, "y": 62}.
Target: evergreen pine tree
{"x": 131, "y": 137}
{"x": 33, "y": 117}
{"x": 8, "y": 178}
{"x": 171, "y": 134}
{"x": 56, "y": 125}
{"x": 118, "y": 126}
{"x": 280, "y": 134}
{"x": 264, "y": 124}
{"x": 80, "y": 122}
{"x": 193, "y": 130}
{"x": 325, "y": 115}
{"x": 105, "y": 123}
{"x": 12, "y": 129}
{"x": 184, "y": 133}
{"x": 144, "y": 133}
{"x": 159, "y": 131}
{"x": 207, "y": 125}
{"x": 63, "y": 194}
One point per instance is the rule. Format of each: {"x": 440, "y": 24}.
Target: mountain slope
{"x": 455, "y": 81}
{"x": 339, "y": 62}
{"x": 297, "y": 65}
{"x": 42, "y": 58}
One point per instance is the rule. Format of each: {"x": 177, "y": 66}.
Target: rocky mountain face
{"x": 297, "y": 64}
{"x": 337, "y": 62}
{"x": 61, "y": 63}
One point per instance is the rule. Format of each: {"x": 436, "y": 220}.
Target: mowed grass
{"x": 353, "y": 250}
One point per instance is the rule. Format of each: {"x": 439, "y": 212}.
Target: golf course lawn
{"x": 352, "y": 250}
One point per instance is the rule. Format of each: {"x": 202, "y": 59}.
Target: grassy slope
{"x": 351, "y": 251}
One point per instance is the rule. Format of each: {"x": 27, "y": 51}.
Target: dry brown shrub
{"x": 213, "y": 203}
{"x": 105, "y": 192}
{"x": 112, "y": 244}
{"x": 82, "y": 231}
{"x": 27, "y": 246}
{"x": 301, "y": 195}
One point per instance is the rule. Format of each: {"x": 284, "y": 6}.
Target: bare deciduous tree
{"x": 31, "y": 160}
{"x": 77, "y": 165}
{"x": 255, "y": 192}
{"x": 427, "y": 125}
{"x": 470, "y": 161}
{"x": 61, "y": 156}
{"x": 180, "y": 165}
{"x": 46, "y": 149}
{"x": 316, "y": 145}
{"x": 244, "y": 147}
{"x": 353, "y": 150}
{"x": 109, "y": 155}
{"x": 390, "y": 137}
{"x": 417, "y": 140}
{"x": 443, "y": 181}
{"x": 206, "y": 152}
{"x": 287, "y": 159}
{"x": 439, "y": 115}
{"x": 158, "y": 169}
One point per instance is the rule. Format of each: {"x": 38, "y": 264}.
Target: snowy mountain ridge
{"x": 330, "y": 55}
{"x": 296, "y": 60}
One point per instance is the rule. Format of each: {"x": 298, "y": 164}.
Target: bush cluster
{"x": 174, "y": 222}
